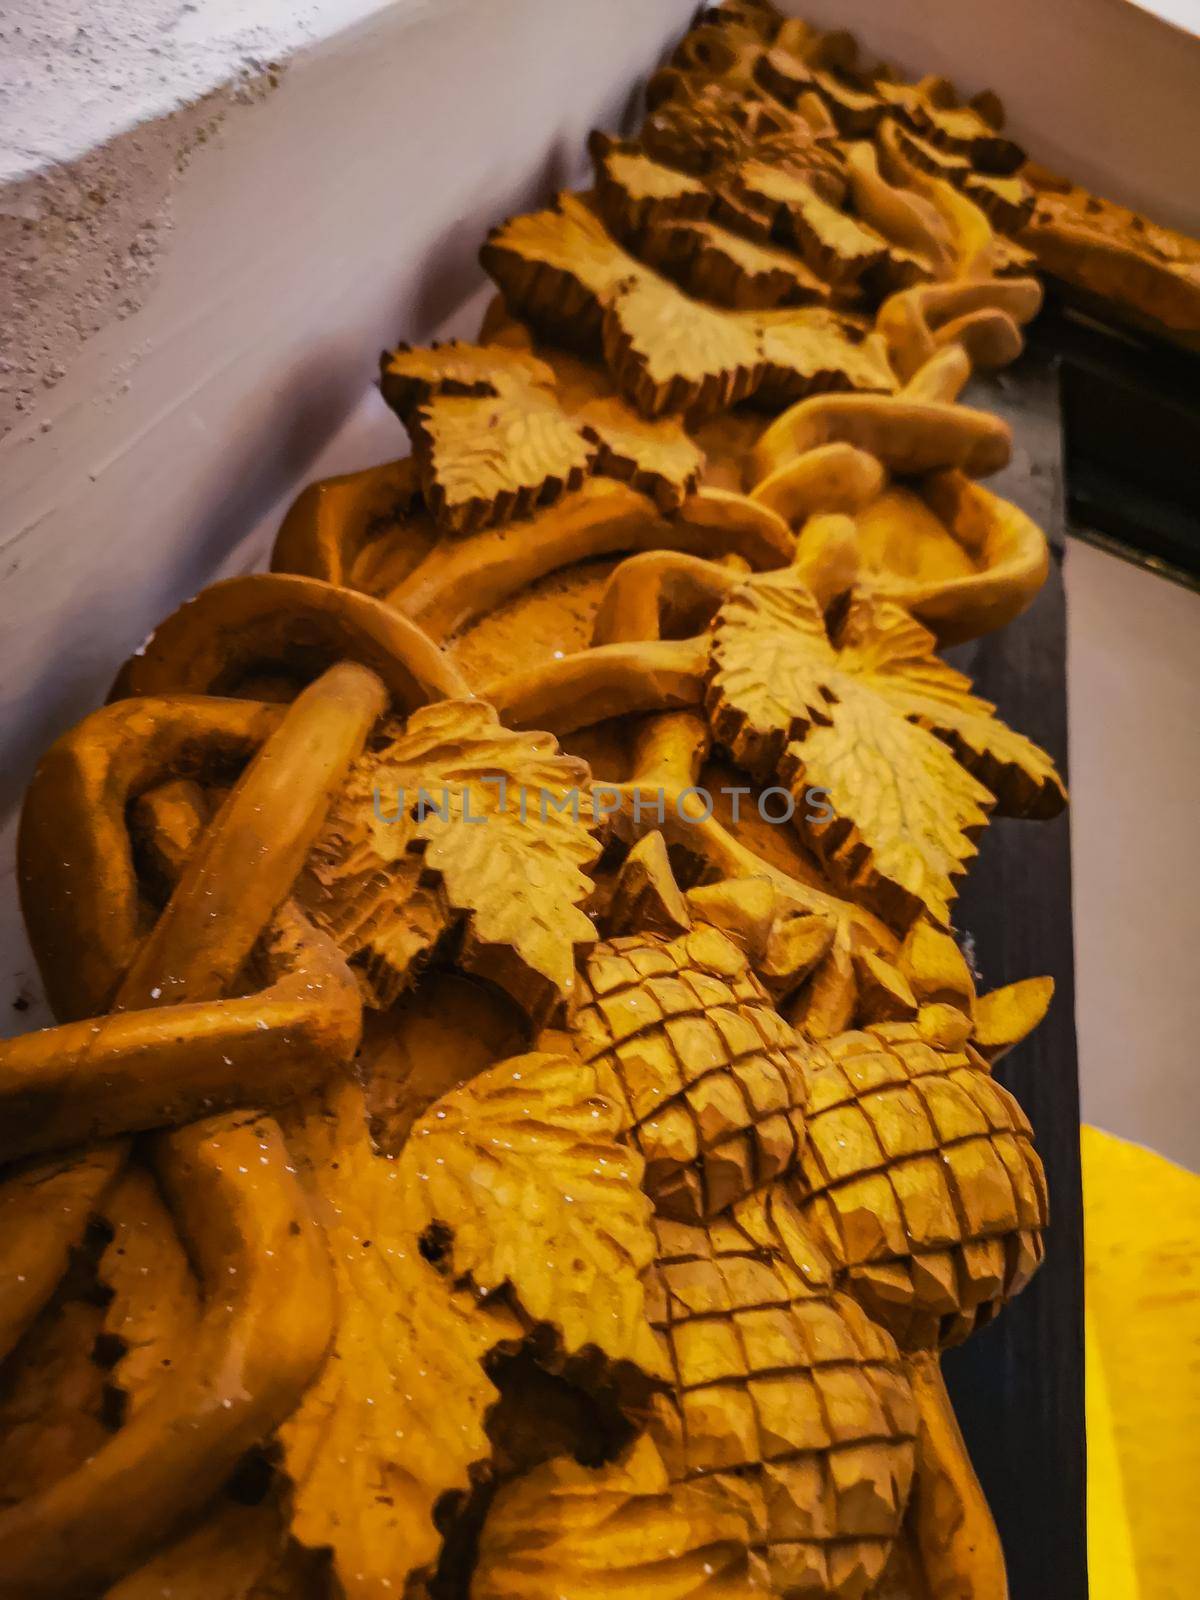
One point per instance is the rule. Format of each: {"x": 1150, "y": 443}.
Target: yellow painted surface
{"x": 1142, "y": 1265}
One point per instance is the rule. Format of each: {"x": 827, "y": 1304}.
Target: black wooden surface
{"x": 1131, "y": 443}
{"x": 1017, "y": 1385}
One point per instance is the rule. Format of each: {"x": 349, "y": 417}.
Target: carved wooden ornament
{"x": 890, "y": 733}
{"x": 610, "y": 1249}
{"x": 454, "y": 817}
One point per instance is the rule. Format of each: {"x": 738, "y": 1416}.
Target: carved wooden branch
{"x": 136, "y": 1069}
{"x": 611, "y": 680}
{"x": 266, "y": 1324}
{"x": 79, "y": 893}
{"x": 458, "y": 582}
{"x": 298, "y": 625}
{"x": 908, "y": 436}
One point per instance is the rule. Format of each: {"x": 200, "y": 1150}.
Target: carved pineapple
{"x": 787, "y": 1397}
{"x": 712, "y": 1076}
{"x": 920, "y": 1177}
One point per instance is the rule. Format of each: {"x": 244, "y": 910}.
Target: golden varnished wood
{"x": 618, "y": 1259}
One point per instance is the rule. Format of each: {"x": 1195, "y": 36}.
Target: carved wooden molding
{"x": 689, "y": 1156}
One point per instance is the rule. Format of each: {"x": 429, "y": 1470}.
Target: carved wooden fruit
{"x": 713, "y": 1078}
{"x": 563, "y": 1532}
{"x": 920, "y": 1177}
{"x": 788, "y": 1396}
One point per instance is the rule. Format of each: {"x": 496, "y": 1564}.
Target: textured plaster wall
{"x": 74, "y": 72}
{"x": 103, "y": 104}
{"x": 199, "y": 301}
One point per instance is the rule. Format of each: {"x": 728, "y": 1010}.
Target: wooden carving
{"x": 565, "y": 1531}
{"x": 890, "y": 734}
{"x": 714, "y": 263}
{"x": 425, "y": 834}
{"x": 1130, "y": 264}
{"x": 487, "y": 1224}
{"x": 713, "y": 1078}
{"x": 836, "y": 246}
{"x": 787, "y": 1393}
{"x": 709, "y": 129}
{"x": 636, "y": 193}
{"x": 602, "y": 749}
{"x": 655, "y": 456}
{"x": 490, "y": 438}
{"x": 562, "y": 271}
{"x": 925, "y": 1185}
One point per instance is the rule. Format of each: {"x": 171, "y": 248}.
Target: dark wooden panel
{"x": 1018, "y": 1385}
{"x": 1131, "y": 443}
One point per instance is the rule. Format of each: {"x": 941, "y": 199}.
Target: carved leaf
{"x": 807, "y": 351}
{"x": 489, "y": 436}
{"x": 411, "y": 376}
{"x": 835, "y": 245}
{"x": 721, "y": 266}
{"x": 395, "y": 1421}
{"x": 915, "y": 813}
{"x": 928, "y": 157}
{"x": 565, "y": 1532}
{"x": 432, "y": 830}
{"x": 666, "y": 351}
{"x": 854, "y": 107}
{"x": 636, "y": 192}
{"x": 880, "y": 641}
{"x": 670, "y": 353}
{"x": 870, "y": 722}
{"x": 522, "y": 1173}
{"x": 655, "y": 457}
{"x": 558, "y": 268}
{"x": 562, "y": 270}
{"x": 962, "y": 130}
{"x": 155, "y": 1306}
{"x": 513, "y": 1182}
{"x": 1008, "y": 202}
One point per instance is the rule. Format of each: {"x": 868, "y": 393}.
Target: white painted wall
{"x": 193, "y": 308}
{"x": 1133, "y": 675}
